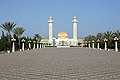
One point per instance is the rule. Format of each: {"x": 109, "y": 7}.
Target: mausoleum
{"x": 62, "y": 39}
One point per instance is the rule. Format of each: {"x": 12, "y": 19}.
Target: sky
{"x": 93, "y": 16}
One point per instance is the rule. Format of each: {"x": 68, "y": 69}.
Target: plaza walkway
{"x": 60, "y": 64}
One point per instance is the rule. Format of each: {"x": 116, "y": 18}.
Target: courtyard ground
{"x": 60, "y": 64}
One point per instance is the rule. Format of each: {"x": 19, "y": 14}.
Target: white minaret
{"x": 75, "y": 21}
{"x": 50, "y": 22}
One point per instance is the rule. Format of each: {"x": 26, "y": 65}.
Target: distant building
{"x": 62, "y": 39}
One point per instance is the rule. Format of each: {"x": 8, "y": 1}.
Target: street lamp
{"x": 13, "y": 44}
{"x": 116, "y": 40}
{"x": 85, "y": 44}
{"x": 93, "y": 44}
{"x": 98, "y": 44}
{"x": 23, "y": 44}
{"x": 29, "y": 44}
{"x": 105, "y": 40}
{"x": 38, "y": 44}
{"x": 89, "y": 44}
{"x": 34, "y": 44}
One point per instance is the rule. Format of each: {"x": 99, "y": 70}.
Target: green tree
{"x": 117, "y": 34}
{"x": 109, "y": 36}
{"x": 37, "y": 37}
{"x": 18, "y": 31}
{"x": 3, "y": 42}
{"x": 90, "y": 38}
{"x": 100, "y": 37}
{"x": 8, "y": 27}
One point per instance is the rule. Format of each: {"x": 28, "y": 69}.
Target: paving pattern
{"x": 60, "y": 64}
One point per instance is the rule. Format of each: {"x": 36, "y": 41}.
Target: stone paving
{"x": 60, "y": 64}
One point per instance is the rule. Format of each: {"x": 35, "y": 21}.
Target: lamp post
{"x": 116, "y": 40}
{"x": 105, "y": 40}
{"x": 29, "y": 44}
{"x": 98, "y": 44}
{"x": 34, "y": 44}
{"x": 23, "y": 44}
{"x": 40, "y": 45}
{"x": 44, "y": 45}
{"x": 13, "y": 44}
{"x": 37, "y": 45}
{"x": 85, "y": 44}
{"x": 93, "y": 44}
{"x": 89, "y": 44}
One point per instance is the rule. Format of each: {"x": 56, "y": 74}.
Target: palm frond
{"x": 18, "y": 31}
{"x": 8, "y": 26}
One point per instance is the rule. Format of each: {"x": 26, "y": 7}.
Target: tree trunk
{"x": 9, "y": 40}
{"x": 19, "y": 42}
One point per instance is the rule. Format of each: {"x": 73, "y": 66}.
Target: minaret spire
{"x": 75, "y": 22}
{"x": 50, "y": 22}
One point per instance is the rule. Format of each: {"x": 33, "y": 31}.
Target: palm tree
{"x": 109, "y": 35}
{"x": 18, "y": 31}
{"x": 8, "y": 26}
{"x": 38, "y": 37}
{"x": 90, "y": 38}
{"x": 117, "y": 34}
{"x": 99, "y": 36}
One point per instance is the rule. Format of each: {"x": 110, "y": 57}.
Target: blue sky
{"x": 94, "y": 16}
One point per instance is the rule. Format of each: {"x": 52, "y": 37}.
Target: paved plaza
{"x": 60, "y": 64}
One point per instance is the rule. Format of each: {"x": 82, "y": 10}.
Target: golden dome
{"x": 62, "y": 34}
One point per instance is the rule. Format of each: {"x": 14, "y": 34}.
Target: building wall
{"x": 67, "y": 42}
